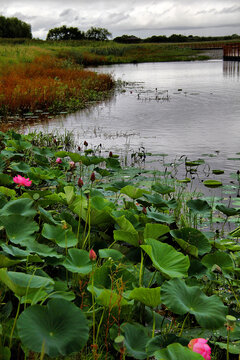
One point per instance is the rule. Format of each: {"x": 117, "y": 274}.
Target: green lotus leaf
{"x": 149, "y": 297}
{"x": 212, "y": 183}
{"x": 108, "y": 298}
{"x": 5, "y": 179}
{"x": 227, "y": 210}
{"x": 78, "y": 261}
{"x": 156, "y": 200}
{"x": 222, "y": 259}
{"x": 64, "y": 238}
{"x": 199, "y": 206}
{"x": 193, "y": 237}
{"x": 42, "y": 249}
{"x": 181, "y": 299}
{"x": 19, "y": 228}
{"x": 23, "y": 207}
{"x": 133, "y": 192}
{"x": 177, "y": 351}
{"x": 20, "y": 167}
{"x": 5, "y": 262}
{"x": 60, "y": 327}
{"x": 197, "y": 269}
{"x": 160, "y": 217}
{"x": 154, "y": 231}
{"x": 163, "y": 188}
{"x": 110, "y": 253}
{"x": 127, "y": 232}
{"x": 70, "y": 194}
{"x": 21, "y": 283}
{"x": 135, "y": 340}
{"x": 233, "y": 348}
{"x": 14, "y": 251}
{"x": 8, "y": 192}
{"x": 162, "y": 341}
{"x": 166, "y": 259}
{"x": 43, "y": 151}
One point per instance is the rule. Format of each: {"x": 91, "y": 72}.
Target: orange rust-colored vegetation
{"x": 49, "y": 84}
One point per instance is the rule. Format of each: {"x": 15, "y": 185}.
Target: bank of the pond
{"x": 49, "y": 84}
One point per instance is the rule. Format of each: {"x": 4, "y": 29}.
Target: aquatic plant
{"x": 123, "y": 263}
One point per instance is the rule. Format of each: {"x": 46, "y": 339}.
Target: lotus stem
{"x": 183, "y": 324}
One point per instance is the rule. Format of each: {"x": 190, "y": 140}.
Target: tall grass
{"x": 48, "y": 83}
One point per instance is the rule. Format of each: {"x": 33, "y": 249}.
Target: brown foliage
{"x": 47, "y": 81}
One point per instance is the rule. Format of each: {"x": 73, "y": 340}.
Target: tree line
{"x": 174, "y": 38}
{"x": 12, "y": 27}
{"x": 73, "y": 33}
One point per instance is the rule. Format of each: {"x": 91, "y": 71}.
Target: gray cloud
{"x": 140, "y": 17}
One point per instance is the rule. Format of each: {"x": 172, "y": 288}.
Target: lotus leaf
{"x": 181, "y": 299}
{"x": 177, "y": 351}
{"x": 149, "y": 297}
{"x": 166, "y": 259}
{"x": 78, "y": 261}
{"x": 60, "y": 327}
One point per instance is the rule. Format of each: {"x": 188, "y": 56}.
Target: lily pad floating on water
{"x": 184, "y": 181}
{"x": 218, "y": 172}
{"x": 60, "y": 327}
{"x": 212, "y": 183}
{"x": 194, "y": 162}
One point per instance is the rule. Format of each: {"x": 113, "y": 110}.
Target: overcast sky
{"x": 142, "y": 18}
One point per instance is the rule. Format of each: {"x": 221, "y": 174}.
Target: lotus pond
{"x": 105, "y": 261}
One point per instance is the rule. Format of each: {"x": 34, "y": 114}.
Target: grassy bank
{"x": 101, "y": 261}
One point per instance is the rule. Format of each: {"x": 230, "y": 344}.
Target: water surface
{"x": 178, "y": 108}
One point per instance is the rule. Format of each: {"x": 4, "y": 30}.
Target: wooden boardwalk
{"x": 231, "y": 52}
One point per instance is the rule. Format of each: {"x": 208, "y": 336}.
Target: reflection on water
{"x": 231, "y": 68}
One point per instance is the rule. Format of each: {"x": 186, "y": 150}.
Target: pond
{"x": 176, "y": 108}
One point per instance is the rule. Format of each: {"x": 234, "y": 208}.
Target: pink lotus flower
{"x": 200, "y": 346}
{"x": 72, "y": 164}
{"x": 22, "y": 181}
{"x": 58, "y": 160}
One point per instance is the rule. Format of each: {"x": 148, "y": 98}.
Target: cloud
{"x": 121, "y": 17}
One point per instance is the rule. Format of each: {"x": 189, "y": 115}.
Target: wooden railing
{"x": 231, "y": 52}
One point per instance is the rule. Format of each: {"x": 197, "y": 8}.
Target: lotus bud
{"x": 92, "y": 255}
{"x": 80, "y": 182}
{"x": 72, "y": 164}
{"x": 58, "y": 160}
{"x": 85, "y": 143}
{"x": 92, "y": 177}
{"x": 110, "y": 154}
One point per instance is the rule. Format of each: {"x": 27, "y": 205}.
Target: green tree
{"x": 14, "y": 28}
{"x": 65, "y": 33}
{"x": 98, "y": 34}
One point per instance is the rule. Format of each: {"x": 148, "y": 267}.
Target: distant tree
{"x": 98, "y": 34}
{"x": 14, "y": 28}
{"x": 156, "y": 39}
{"x": 127, "y": 39}
{"x": 65, "y": 33}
